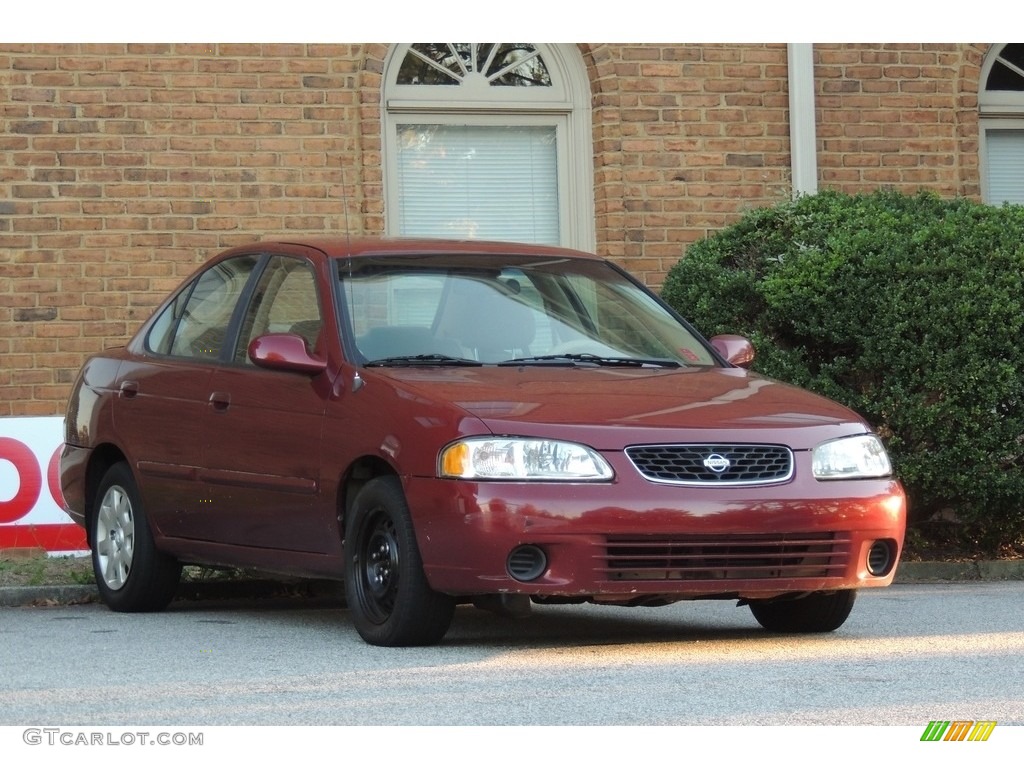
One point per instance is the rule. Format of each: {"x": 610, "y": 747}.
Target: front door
{"x": 262, "y": 466}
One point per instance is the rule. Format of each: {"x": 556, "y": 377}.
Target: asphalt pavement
{"x": 10, "y": 597}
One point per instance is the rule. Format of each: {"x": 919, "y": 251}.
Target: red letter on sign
{"x": 30, "y": 480}
{"x": 53, "y": 478}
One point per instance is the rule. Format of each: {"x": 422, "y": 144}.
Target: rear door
{"x": 162, "y": 409}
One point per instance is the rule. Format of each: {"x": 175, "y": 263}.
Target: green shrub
{"x": 908, "y": 309}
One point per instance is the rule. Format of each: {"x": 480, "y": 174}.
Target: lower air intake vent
{"x": 728, "y": 557}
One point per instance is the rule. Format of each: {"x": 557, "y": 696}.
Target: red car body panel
{"x": 246, "y": 466}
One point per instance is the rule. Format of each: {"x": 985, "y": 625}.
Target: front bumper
{"x": 631, "y": 541}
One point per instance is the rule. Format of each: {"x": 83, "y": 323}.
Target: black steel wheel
{"x": 131, "y": 573}
{"x": 816, "y": 612}
{"x": 391, "y": 601}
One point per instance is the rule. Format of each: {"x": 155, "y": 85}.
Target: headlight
{"x": 511, "y": 458}
{"x": 851, "y": 457}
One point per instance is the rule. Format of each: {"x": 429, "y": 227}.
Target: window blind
{"x": 1004, "y": 166}
{"x": 478, "y": 182}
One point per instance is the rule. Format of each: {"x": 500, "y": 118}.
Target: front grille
{"x": 725, "y": 557}
{"x": 713, "y": 464}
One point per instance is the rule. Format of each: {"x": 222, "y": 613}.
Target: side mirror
{"x": 284, "y": 352}
{"x": 735, "y": 349}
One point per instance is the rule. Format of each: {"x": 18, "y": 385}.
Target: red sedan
{"x": 439, "y": 423}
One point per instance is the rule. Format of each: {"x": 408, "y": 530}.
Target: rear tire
{"x": 817, "y": 612}
{"x": 391, "y": 602}
{"x": 131, "y": 573}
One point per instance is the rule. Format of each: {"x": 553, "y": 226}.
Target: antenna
{"x": 344, "y": 202}
{"x": 357, "y": 383}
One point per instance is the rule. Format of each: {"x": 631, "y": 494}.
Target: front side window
{"x": 197, "y": 322}
{"x": 284, "y": 301}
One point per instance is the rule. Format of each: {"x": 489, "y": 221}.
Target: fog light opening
{"x": 881, "y": 557}
{"x": 526, "y": 563}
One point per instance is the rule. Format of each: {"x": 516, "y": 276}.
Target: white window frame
{"x": 987, "y": 127}
{"x": 565, "y": 105}
{"x": 998, "y": 111}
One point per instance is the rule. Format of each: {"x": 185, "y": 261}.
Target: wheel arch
{"x": 103, "y": 457}
{"x": 359, "y": 473}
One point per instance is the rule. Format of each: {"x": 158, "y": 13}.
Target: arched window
{"x": 488, "y": 141}
{"x": 1001, "y": 104}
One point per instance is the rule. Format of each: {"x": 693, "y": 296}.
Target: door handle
{"x": 220, "y": 401}
{"x": 129, "y": 389}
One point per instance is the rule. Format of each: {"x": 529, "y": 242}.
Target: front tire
{"x": 817, "y": 612}
{"x": 391, "y": 602}
{"x": 131, "y": 573}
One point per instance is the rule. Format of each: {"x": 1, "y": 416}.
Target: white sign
{"x": 31, "y": 505}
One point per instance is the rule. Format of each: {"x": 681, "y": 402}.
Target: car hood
{"x": 609, "y": 408}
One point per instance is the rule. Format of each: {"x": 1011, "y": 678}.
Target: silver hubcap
{"x": 115, "y": 537}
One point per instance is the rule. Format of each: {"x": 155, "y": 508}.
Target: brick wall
{"x": 125, "y": 166}
{"x": 901, "y": 116}
{"x": 685, "y": 137}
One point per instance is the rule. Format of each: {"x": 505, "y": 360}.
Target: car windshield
{"x": 461, "y": 309}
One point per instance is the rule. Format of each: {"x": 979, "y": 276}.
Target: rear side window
{"x": 161, "y": 334}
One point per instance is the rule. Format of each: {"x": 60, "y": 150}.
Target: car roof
{"x": 357, "y": 247}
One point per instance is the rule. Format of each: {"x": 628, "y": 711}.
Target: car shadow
{"x": 550, "y": 626}
{"x": 546, "y": 626}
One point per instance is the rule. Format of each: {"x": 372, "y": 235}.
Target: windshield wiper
{"x": 576, "y": 358}
{"x": 428, "y": 359}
